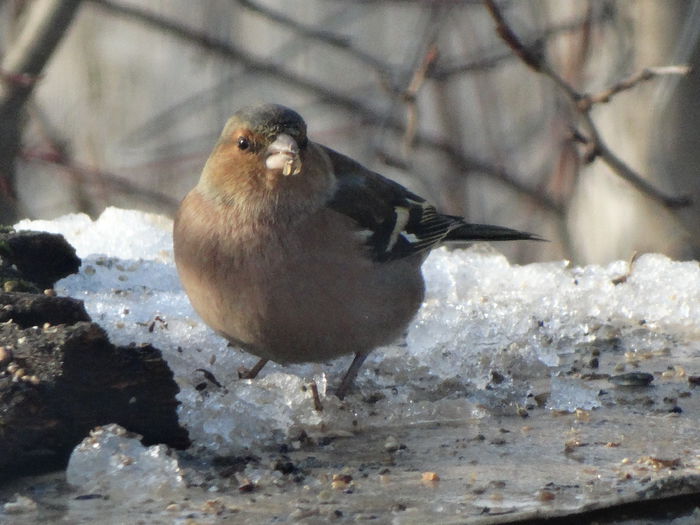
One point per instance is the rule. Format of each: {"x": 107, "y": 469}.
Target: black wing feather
{"x": 401, "y": 223}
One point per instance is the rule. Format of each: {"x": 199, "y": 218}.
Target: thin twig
{"x": 344, "y": 43}
{"x": 533, "y": 60}
{"x": 494, "y": 58}
{"x": 628, "y": 83}
{"x": 621, "y": 168}
{"x": 630, "y": 267}
{"x": 476, "y": 166}
{"x": 329, "y": 38}
{"x": 411, "y": 94}
{"x": 318, "y": 406}
{"x": 523, "y": 52}
{"x": 582, "y": 105}
{"x": 115, "y": 182}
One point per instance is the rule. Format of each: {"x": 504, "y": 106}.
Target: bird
{"x": 295, "y": 253}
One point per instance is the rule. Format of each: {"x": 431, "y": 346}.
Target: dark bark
{"x": 59, "y": 374}
{"x": 59, "y": 381}
{"x": 38, "y": 257}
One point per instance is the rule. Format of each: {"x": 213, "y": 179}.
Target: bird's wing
{"x": 397, "y": 223}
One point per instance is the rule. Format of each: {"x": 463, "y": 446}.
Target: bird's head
{"x": 272, "y": 133}
{"x": 258, "y": 146}
{"x": 264, "y": 156}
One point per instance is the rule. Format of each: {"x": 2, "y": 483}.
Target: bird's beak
{"x": 283, "y": 155}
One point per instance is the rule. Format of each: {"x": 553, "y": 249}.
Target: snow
{"x": 489, "y": 338}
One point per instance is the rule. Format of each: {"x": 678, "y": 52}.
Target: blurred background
{"x": 119, "y": 102}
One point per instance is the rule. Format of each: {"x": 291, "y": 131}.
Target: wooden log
{"x": 58, "y": 381}
{"x": 37, "y": 257}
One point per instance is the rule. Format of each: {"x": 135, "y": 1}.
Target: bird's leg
{"x": 350, "y": 375}
{"x": 250, "y": 374}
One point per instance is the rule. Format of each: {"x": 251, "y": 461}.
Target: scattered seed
{"x": 546, "y": 495}
{"x": 659, "y": 463}
{"x": 583, "y": 415}
{"x": 347, "y": 478}
{"x": 391, "y": 444}
{"x": 20, "y": 505}
{"x": 246, "y": 486}
{"x": 339, "y": 484}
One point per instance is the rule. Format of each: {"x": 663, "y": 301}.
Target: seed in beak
{"x": 292, "y": 166}
{"x": 283, "y": 155}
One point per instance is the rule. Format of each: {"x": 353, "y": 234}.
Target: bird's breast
{"x": 304, "y": 290}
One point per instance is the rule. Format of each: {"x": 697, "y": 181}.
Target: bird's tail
{"x": 486, "y": 232}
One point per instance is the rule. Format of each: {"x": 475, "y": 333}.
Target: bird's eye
{"x": 243, "y": 143}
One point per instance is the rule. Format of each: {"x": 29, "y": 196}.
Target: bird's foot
{"x": 244, "y": 373}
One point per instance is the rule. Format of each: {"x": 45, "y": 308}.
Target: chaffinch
{"x": 297, "y": 253}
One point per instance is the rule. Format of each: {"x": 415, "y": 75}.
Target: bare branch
{"x": 494, "y": 58}
{"x": 20, "y": 80}
{"x": 47, "y": 21}
{"x": 525, "y": 54}
{"x": 582, "y": 105}
{"x": 325, "y": 94}
{"x": 599, "y": 148}
{"x": 344, "y": 44}
{"x": 533, "y": 60}
{"x": 329, "y": 38}
{"x": 411, "y": 94}
{"x": 95, "y": 176}
{"x": 499, "y": 173}
{"x": 476, "y": 166}
{"x": 644, "y": 75}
